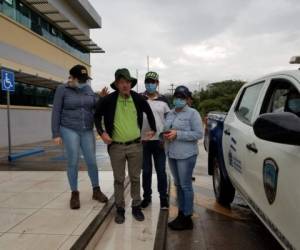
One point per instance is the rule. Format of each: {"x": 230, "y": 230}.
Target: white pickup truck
{"x": 255, "y": 149}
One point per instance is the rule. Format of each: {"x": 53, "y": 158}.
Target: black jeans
{"x": 155, "y": 149}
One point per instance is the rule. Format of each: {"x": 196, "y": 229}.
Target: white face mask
{"x": 76, "y": 84}
{"x": 89, "y": 82}
{"x": 73, "y": 83}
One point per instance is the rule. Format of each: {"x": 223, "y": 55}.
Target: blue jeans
{"x": 155, "y": 149}
{"x": 74, "y": 141}
{"x": 182, "y": 171}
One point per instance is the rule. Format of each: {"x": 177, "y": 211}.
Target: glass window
{"x": 8, "y": 8}
{"x": 247, "y": 102}
{"x": 278, "y": 94}
{"x": 45, "y": 25}
{"x": 23, "y": 14}
{"x": 29, "y": 95}
{"x": 36, "y": 23}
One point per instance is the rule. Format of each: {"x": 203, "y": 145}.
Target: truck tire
{"x": 224, "y": 191}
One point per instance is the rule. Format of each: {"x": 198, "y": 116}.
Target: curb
{"x": 160, "y": 241}
{"x": 99, "y": 223}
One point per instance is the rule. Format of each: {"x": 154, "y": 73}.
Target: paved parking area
{"x": 216, "y": 227}
{"x": 52, "y": 159}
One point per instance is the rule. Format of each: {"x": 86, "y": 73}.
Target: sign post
{"x": 8, "y": 85}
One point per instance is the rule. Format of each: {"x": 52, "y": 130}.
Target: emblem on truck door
{"x": 270, "y": 178}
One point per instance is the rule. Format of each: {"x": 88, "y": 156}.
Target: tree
{"x": 217, "y": 96}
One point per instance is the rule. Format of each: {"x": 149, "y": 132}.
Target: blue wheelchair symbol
{"x": 8, "y": 80}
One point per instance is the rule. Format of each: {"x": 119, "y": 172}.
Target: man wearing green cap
{"x": 122, "y": 112}
{"x": 154, "y": 148}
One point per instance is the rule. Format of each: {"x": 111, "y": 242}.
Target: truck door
{"x": 236, "y": 123}
{"x": 273, "y": 169}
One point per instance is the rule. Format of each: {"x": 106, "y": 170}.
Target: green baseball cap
{"x": 152, "y": 75}
{"x": 125, "y": 74}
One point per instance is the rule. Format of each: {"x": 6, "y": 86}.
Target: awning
{"x": 35, "y": 80}
{"x": 57, "y": 17}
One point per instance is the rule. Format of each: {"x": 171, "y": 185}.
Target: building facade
{"x": 40, "y": 41}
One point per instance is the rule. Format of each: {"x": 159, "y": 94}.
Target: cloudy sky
{"x": 195, "y": 42}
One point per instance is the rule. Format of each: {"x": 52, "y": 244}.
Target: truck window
{"x": 277, "y": 96}
{"x": 246, "y": 105}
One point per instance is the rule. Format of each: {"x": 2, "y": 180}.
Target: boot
{"x": 98, "y": 195}
{"x": 74, "y": 202}
{"x": 120, "y": 215}
{"x": 184, "y": 223}
{"x": 175, "y": 221}
{"x": 137, "y": 213}
{"x": 145, "y": 203}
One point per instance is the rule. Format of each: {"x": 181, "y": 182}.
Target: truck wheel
{"x": 224, "y": 191}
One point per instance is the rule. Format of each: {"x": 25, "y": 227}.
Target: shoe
{"x": 120, "y": 215}
{"x": 164, "y": 204}
{"x": 75, "y": 202}
{"x": 137, "y": 213}
{"x": 183, "y": 223}
{"x": 145, "y": 203}
{"x": 98, "y": 195}
{"x": 175, "y": 221}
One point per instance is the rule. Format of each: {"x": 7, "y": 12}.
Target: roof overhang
{"x": 88, "y": 13}
{"x": 56, "y": 16}
{"x": 36, "y": 80}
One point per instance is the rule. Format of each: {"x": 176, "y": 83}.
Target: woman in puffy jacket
{"x": 72, "y": 125}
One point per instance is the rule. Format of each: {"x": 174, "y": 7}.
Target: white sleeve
{"x": 167, "y": 109}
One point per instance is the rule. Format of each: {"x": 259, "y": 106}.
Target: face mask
{"x": 294, "y": 105}
{"x": 151, "y": 87}
{"x": 81, "y": 85}
{"x": 75, "y": 84}
{"x": 179, "y": 103}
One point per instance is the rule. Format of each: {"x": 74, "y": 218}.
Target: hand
{"x": 104, "y": 92}
{"x": 106, "y": 138}
{"x": 162, "y": 144}
{"x": 170, "y": 135}
{"x": 149, "y": 135}
{"x": 57, "y": 140}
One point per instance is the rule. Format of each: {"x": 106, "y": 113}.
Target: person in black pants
{"x": 154, "y": 148}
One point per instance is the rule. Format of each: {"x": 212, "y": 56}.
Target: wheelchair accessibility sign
{"x": 8, "y": 80}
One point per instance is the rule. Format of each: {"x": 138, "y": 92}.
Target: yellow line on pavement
{"x": 210, "y": 204}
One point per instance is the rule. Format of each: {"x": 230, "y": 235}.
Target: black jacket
{"x": 106, "y": 107}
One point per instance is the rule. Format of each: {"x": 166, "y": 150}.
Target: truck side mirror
{"x": 278, "y": 127}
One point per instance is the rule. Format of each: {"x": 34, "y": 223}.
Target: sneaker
{"x": 145, "y": 203}
{"x": 137, "y": 213}
{"x": 98, "y": 195}
{"x": 164, "y": 204}
{"x": 120, "y": 215}
{"x": 74, "y": 201}
{"x": 183, "y": 223}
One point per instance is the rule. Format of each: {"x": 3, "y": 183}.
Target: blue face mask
{"x": 151, "y": 87}
{"x": 179, "y": 103}
{"x": 294, "y": 105}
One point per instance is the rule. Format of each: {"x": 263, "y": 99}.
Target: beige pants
{"x": 133, "y": 155}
